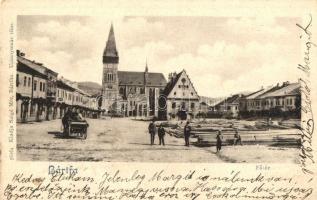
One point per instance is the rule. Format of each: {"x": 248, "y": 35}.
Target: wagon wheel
{"x": 84, "y": 134}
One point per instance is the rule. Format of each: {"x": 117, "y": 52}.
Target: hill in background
{"x": 90, "y": 87}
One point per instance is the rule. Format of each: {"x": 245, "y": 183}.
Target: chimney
{"x": 170, "y": 77}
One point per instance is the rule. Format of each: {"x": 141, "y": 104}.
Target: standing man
{"x": 187, "y": 130}
{"x": 152, "y": 131}
{"x": 219, "y": 141}
{"x": 161, "y": 134}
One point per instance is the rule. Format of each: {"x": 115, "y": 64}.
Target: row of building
{"x": 285, "y": 97}
{"x": 42, "y": 95}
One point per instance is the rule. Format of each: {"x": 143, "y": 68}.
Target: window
{"x": 24, "y": 82}
{"x": 174, "y": 93}
{"x": 40, "y": 86}
{"x": 29, "y": 82}
{"x": 34, "y": 86}
{"x": 110, "y": 77}
{"x": 173, "y": 105}
{"x": 121, "y": 91}
{"x": 43, "y": 86}
{"x": 17, "y": 80}
{"x": 192, "y": 105}
{"x": 291, "y": 101}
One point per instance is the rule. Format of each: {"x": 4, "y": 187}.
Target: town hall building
{"x": 129, "y": 93}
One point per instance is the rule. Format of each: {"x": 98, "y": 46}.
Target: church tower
{"x": 110, "y": 83}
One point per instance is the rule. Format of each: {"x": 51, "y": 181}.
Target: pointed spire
{"x": 146, "y": 67}
{"x": 110, "y": 53}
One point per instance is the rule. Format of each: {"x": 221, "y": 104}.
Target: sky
{"x": 221, "y": 55}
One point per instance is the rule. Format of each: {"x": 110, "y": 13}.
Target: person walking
{"x": 152, "y": 131}
{"x": 187, "y": 130}
{"x": 161, "y": 134}
{"x": 219, "y": 141}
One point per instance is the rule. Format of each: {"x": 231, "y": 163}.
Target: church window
{"x": 291, "y": 101}
{"x": 192, "y": 94}
{"x": 110, "y": 77}
{"x": 24, "y": 82}
{"x": 179, "y": 86}
{"x": 192, "y": 105}
{"x": 174, "y": 93}
{"x": 173, "y": 105}
{"x": 141, "y": 90}
{"x": 121, "y": 91}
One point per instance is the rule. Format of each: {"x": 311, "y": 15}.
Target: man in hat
{"x": 219, "y": 141}
{"x": 161, "y": 134}
{"x": 187, "y": 130}
{"x": 152, "y": 131}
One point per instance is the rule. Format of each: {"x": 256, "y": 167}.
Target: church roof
{"x": 137, "y": 78}
{"x": 111, "y": 48}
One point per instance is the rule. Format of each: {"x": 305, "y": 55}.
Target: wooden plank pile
{"x": 290, "y": 137}
{"x": 251, "y": 133}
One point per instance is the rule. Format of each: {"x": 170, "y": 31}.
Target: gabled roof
{"x": 230, "y": 100}
{"x": 260, "y": 92}
{"x": 26, "y": 66}
{"x": 137, "y": 78}
{"x": 290, "y": 89}
{"x": 171, "y": 84}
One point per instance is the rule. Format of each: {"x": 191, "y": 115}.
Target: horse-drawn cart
{"x": 76, "y": 129}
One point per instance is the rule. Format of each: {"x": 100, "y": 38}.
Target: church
{"x": 129, "y": 93}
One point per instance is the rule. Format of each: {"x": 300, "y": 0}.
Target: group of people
{"x": 219, "y": 137}
{"x": 161, "y": 133}
{"x": 187, "y": 133}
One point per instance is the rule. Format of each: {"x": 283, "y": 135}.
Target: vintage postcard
{"x": 158, "y": 100}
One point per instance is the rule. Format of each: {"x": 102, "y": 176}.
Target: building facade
{"x": 40, "y": 95}
{"x": 128, "y": 93}
{"x": 181, "y": 98}
{"x": 30, "y": 92}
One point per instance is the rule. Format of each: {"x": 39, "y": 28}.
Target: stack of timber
{"x": 290, "y": 137}
{"x": 291, "y": 123}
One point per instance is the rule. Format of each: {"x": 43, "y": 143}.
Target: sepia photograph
{"x": 158, "y": 89}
